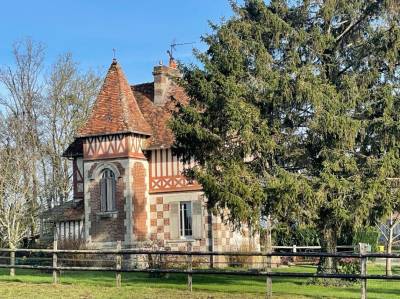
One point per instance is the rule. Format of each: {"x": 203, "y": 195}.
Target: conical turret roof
{"x": 115, "y": 110}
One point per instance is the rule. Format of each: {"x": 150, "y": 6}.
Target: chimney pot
{"x": 172, "y": 63}
{"x": 163, "y": 79}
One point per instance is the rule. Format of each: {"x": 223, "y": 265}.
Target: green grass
{"x": 36, "y": 284}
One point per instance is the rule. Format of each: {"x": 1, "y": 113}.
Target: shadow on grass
{"x": 22, "y": 279}
{"x": 134, "y": 279}
{"x": 384, "y": 291}
{"x": 230, "y": 284}
{"x": 216, "y": 283}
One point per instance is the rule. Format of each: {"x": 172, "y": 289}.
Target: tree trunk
{"x": 12, "y": 261}
{"x": 268, "y": 240}
{"x": 34, "y": 202}
{"x": 328, "y": 244}
{"x": 269, "y": 258}
{"x": 389, "y": 251}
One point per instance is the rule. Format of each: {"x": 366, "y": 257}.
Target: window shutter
{"x": 103, "y": 195}
{"x": 174, "y": 220}
{"x": 110, "y": 194}
{"x": 114, "y": 187}
{"x": 197, "y": 220}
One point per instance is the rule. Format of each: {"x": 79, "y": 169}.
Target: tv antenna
{"x": 172, "y": 48}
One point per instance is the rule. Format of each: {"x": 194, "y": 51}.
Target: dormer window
{"x": 107, "y": 191}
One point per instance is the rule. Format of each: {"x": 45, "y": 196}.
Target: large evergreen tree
{"x": 293, "y": 113}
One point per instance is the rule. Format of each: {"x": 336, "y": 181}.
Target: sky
{"x": 140, "y": 31}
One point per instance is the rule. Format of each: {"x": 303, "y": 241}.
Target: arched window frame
{"x": 107, "y": 190}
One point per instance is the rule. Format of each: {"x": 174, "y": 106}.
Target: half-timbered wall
{"x": 70, "y": 230}
{"x": 77, "y": 168}
{"x": 113, "y": 146}
{"x": 166, "y": 173}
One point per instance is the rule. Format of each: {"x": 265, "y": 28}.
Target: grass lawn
{"x": 35, "y": 284}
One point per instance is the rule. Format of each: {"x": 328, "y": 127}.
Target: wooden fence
{"x": 295, "y": 248}
{"x": 265, "y": 271}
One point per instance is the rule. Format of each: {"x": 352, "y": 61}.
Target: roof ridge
{"x": 143, "y": 83}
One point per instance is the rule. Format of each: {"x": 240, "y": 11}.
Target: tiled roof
{"x": 74, "y": 149}
{"x": 69, "y": 210}
{"x": 158, "y": 116}
{"x": 115, "y": 109}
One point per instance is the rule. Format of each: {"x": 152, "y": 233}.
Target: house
{"x": 127, "y": 184}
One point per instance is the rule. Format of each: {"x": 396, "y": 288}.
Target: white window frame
{"x": 182, "y": 227}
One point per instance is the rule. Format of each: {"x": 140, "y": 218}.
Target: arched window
{"x": 107, "y": 191}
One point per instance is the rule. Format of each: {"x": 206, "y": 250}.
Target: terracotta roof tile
{"x": 158, "y": 116}
{"x": 69, "y": 210}
{"x": 115, "y": 109}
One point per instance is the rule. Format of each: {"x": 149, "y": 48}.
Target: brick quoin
{"x": 139, "y": 201}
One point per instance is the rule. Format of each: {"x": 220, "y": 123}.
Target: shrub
{"x": 349, "y": 266}
{"x": 239, "y": 260}
{"x": 82, "y": 260}
{"x": 156, "y": 261}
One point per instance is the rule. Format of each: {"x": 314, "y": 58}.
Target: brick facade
{"x": 106, "y": 227}
{"x": 139, "y": 202}
{"x": 215, "y": 234}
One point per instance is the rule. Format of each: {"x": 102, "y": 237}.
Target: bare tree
{"x": 22, "y": 83}
{"x": 42, "y": 110}
{"x": 69, "y": 96}
{"x": 16, "y": 214}
{"x": 391, "y": 233}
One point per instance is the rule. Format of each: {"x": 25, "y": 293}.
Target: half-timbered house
{"x": 127, "y": 184}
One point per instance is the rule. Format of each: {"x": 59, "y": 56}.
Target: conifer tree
{"x": 293, "y": 113}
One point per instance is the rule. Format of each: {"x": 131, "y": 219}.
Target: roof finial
{"x": 114, "y": 59}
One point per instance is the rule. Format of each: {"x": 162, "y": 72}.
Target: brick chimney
{"x": 163, "y": 78}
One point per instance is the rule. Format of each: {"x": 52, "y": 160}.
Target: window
{"x": 185, "y": 219}
{"x": 107, "y": 191}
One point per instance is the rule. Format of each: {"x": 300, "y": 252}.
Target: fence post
{"x": 118, "y": 265}
{"x": 189, "y": 266}
{"x": 294, "y": 250}
{"x": 363, "y": 267}
{"x": 12, "y": 261}
{"x": 55, "y": 248}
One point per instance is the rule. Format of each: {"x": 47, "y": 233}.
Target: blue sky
{"x": 140, "y": 31}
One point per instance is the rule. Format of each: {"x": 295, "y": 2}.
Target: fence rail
{"x": 205, "y": 253}
{"x": 118, "y": 254}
